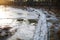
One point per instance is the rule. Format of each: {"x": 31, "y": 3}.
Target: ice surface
{"x": 26, "y": 31}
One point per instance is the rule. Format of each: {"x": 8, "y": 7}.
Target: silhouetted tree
{"x": 30, "y": 2}
{"x": 19, "y": 2}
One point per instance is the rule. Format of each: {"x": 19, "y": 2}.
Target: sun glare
{"x": 3, "y": 16}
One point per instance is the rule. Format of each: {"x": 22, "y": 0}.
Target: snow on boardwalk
{"x": 41, "y": 29}
{"x": 40, "y": 32}
{"x": 26, "y": 31}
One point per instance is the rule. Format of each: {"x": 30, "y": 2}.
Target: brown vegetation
{"x": 5, "y": 2}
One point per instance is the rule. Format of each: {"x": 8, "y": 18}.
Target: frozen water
{"x": 26, "y": 31}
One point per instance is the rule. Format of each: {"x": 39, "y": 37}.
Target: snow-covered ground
{"x": 26, "y": 30}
